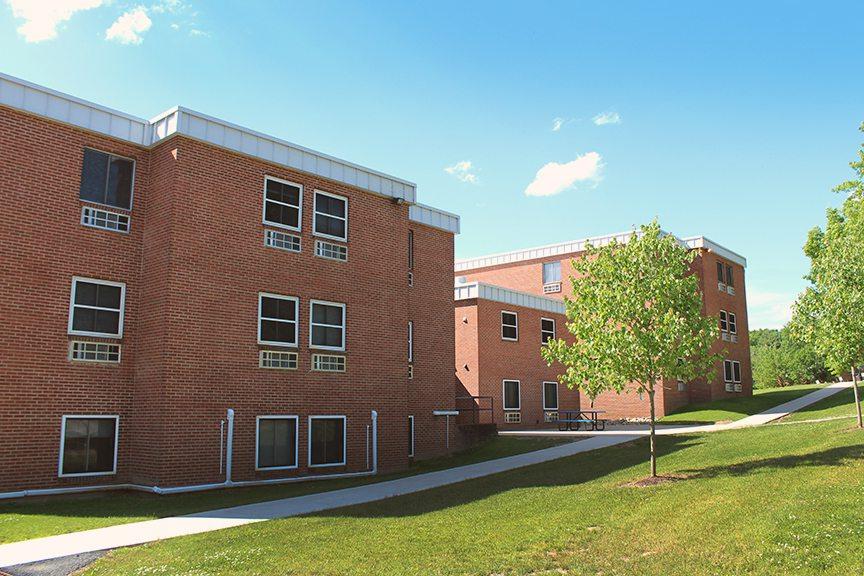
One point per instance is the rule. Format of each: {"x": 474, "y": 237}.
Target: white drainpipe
{"x": 229, "y": 448}
{"x": 200, "y": 487}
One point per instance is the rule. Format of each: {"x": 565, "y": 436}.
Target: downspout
{"x": 229, "y": 448}
{"x": 374, "y": 441}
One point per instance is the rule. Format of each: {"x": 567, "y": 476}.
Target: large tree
{"x": 828, "y": 314}
{"x": 636, "y": 320}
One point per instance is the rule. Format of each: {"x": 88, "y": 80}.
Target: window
{"x": 276, "y": 442}
{"x": 410, "y": 341}
{"x": 547, "y": 329}
{"x": 724, "y": 325}
{"x": 326, "y": 441}
{"x": 410, "y": 249}
{"x": 283, "y": 241}
{"x": 410, "y": 371}
{"x": 731, "y": 371}
{"x": 277, "y": 319}
{"x": 283, "y": 203}
{"x": 98, "y": 218}
{"x": 277, "y": 360}
{"x": 551, "y": 272}
{"x": 107, "y": 179}
{"x": 410, "y": 436}
{"x": 733, "y": 325}
{"x": 331, "y": 216}
{"x": 328, "y": 363}
{"x": 511, "y": 394}
{"x": 736, "y": 372}
{"x": 327, "y": 326}
{"x": 96, "y": 308}
{"x": 550, "y": 395}
{"x": 729, "y": 280}
{"x": 94, "y": 351}
{"x": 331, "y": 251}
{"x": 509, "y": 326}
{"x": 720, "y": 273}
{"x": 88, "y": 445}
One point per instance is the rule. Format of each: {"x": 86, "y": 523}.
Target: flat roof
{"x": 41, "y": 101}
{"x": 483, "y": 291}
{"x": 575, "y": 246}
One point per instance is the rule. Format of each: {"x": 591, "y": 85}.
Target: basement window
{"x": 326, "y": 441}
{"x": 283, "y": 203}
{"x": 331, "y": 216}
{"x": 88, "y": 445}
{"x": 107, "y": 179}
{"x": 96, "y": 308}
{"x": 276, "y": 443}
{"x": 509, "y": 326}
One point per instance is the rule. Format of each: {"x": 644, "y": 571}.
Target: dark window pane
{"x": 276, "y": 443}
{"x": 85, "y": 293}
{"x": 327, "y": 441}
{"x": 550, "y": 395}
{"x": 107, "y": 322}
{"x": 727, "y": 370}
{"x": 93, "y": 175}
{"x": 108, "y": 296}
{"x": 84, "y": 319}
{"x": 88, "y": 445}
{"x": 330, "y": 226}
{"x": 509, "y": 319}
{"x": 278, "y": 308}
{"x": 324, "y": 314}
{"x": 119, "y": 190}
{"x": 285, "y": 193}
{"x": 719, "y": 271}
{"x": 729, "y": 279}
{"x": 736, "y": 369}
{"x": 273, "y": 331}
{"x": 326, "y": 336}
{"x": 509, "y": 332}
{"x": 330, "y": 205}
{"x": 511, "y": 394}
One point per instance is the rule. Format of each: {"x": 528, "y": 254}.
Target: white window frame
{"x": 344, "y": 325}
{"x": 732, "y": 322}
{"x": 131, "y": 189}
{"x": 516, "y": 314}
{"x": 299, "y": 207}
{"x": 344, "y": 440}
{"x": 554, "y": 329}
{"x": 731, "y": 371}
{"x": 724, "y": 320}
{"x": 261, "y": 296}
{"x": 114, "y": 417}
{"x": 518, "y": 395}
{"x": 315, "y": 213}
{"x": 736, "y": 364}
{"x": 296, "y": 440}
{"x": 72, "y": 305}
{"x": 557, "y": 399}
{"x": 411, "y": 419}
{"x": 410, "y": 341}
{"x": 543, "y": 272}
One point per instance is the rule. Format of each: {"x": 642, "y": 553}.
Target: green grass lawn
{"x": 737, "y": 408}
{"x": 35, "y": 517}
{"x": 840, "y": 404}
{"x": 769, "y": 500}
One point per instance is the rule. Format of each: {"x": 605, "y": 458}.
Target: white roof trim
{"x": 42, "y": 101}
{"x": 507, "y": 296}
{"x": 434, "y": 217}
{"x": 575, "y": 246}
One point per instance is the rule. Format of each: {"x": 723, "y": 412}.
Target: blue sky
{"x": 732, "y": 120}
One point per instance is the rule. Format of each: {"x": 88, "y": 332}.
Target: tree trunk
{"x": 857, "y": 400}
{"x": 653, "y": 444}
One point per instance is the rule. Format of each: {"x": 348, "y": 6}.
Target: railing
{"x": 474, "y": 410}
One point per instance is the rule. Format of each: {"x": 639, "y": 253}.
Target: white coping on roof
{"x": 434, "y": 217}
{"x": 42, "y": 101}
{"x": 507, "y": 296}
{"x": 579, "y": 246}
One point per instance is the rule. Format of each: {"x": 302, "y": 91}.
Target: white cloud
{"x": 557, "y": 123}
{"x": 607, "y": 118}
{"x": 41, "y": 17}
{"x": 769, "y": 309}
{"x": 463, "y": 171}
{"x": 129, "y": 27}
{"x": 554, "y": 178}
{"x": 170, "y": 6}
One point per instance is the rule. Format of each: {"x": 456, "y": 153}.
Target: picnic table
{"x": 588, "y": 418}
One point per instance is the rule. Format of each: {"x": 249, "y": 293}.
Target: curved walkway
{"x": 52, "y": 547}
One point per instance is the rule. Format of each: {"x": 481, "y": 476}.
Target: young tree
{"x": 636, "y": 312}
{"x": 828, "y": 313}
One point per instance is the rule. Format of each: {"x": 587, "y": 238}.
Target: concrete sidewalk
{"x": 41, "y": 549}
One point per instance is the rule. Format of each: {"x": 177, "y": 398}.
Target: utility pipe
{"x": 229, "y": 448}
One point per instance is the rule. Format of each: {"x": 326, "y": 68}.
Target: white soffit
{"x": 506, "y": 296}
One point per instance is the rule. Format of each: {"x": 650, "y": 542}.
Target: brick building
{"x": 187, "y": 302}
{"x": 502, "y": 299}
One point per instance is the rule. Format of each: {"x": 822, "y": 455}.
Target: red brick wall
{"x": 490, "y": 359}
{"x": 194, "y": 264}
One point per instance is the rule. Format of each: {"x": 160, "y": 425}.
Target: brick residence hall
{"x": 198, "y": 305}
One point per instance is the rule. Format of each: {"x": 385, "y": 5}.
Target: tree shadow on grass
{"x": 839, "y": 456}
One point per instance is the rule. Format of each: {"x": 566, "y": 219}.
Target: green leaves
{"x": 636, "y": 312}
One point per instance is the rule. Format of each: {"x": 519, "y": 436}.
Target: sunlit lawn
{"x": 840, "y": 404}
{"x": 770, "y": 500}
{"x": 736, "y": 408}
{"x": 34, "y": 517}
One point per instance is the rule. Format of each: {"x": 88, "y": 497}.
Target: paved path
{"x": 41, "y": 549}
